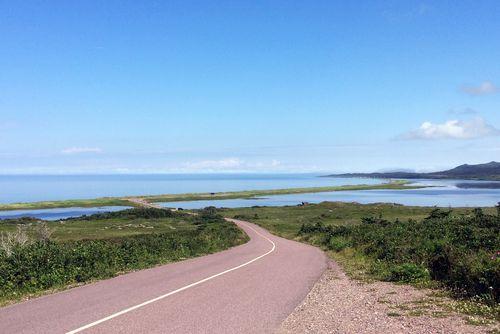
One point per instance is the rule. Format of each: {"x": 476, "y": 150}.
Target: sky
{"x": 247, "y": 86}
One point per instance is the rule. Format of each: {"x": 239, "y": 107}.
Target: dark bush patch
{"x": 134, "y": 213}
{"x": 459, "y": 251}
{"x": 408, "y": 272}
{"x": 338, "y": 243}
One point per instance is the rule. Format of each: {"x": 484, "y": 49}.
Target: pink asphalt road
{"x": 250, "y": 288}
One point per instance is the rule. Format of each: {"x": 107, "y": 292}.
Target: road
{"x": 144, "y": 203}
{"x": 250, "y": 288}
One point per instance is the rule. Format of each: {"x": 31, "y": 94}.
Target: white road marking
{"x": 135, "y": 307}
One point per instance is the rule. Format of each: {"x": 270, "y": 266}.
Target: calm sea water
{"x": 39, "y": 188}
{"x": 32, "y": 188}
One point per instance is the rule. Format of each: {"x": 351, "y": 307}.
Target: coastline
{"x": 246, "y": 194}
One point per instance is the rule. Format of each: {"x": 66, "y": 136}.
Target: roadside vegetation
{"x": 123, "y": 201}
{"x": 37, "y": 256}
{"x": 286, "y": 221}
{"x": 461, "y": 251}
{"x": 457, "y": 250}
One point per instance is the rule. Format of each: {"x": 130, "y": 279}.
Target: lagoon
{"x": 443, "y": 193}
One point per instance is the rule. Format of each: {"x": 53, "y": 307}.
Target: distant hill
{"x": 488, "y": 171}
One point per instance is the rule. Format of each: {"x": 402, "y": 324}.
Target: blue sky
{"x": 263, "y": 86}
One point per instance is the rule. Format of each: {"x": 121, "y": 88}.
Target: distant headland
{"x": 488, "y": 171}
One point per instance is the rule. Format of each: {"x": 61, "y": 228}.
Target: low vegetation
{"x": 106, "y": 225}
{"x": 83, "y": 203}
{"x": 395, "y": 185}
{"x": 33, "y": 260}
{"x": 460, "y": 251}
{"x": 286, "y": 221}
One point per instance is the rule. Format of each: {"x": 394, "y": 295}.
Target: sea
{"x": 32, "y": 188}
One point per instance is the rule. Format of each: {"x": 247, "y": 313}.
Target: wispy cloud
{"x": 227, "y": 163}
{"x": 484, "y": 88}
{"x": 230, "y": 165}
{"x": 80, "y": 150}
{"x": 453, "y": 129}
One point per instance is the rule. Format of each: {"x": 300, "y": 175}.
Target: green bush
{"x": 134, "y": 213}
{"x": 338, "y": 243}
{"x": 459, "y": 251}
{"x": 408, "y": 272}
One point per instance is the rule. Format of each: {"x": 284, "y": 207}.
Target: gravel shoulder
{"x": 338, "y": 304}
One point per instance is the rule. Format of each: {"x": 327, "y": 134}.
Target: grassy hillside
{"x": 489, "y": 171}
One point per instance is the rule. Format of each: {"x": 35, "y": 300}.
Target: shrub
{"x": 247, "y": 216}
{"x": 459, "y": 251}
{"x": 43, "y": 232}
{"x": 134, "y": 213}
{"x": 338, "y": 243}
{"x": 9, "y": 241}
{"x": 408, "y": 272}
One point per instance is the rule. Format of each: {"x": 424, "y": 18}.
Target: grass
{"x": 80, "y": 229}
{"x": 123, "y": 201}
{"x": 286, "y": 221}
{"x": 102, "y": 246}
{"x": 475, "y": 309}
{"x": 438, "y": 304}
{"x": 84, "y": 203}
{"x": 393, "y": 314}
{"x": 458, "y": 251}
{"x": 395, "y": 185}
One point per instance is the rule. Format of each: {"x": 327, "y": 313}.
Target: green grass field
{"x": 286, "y": 221}
{"x": 84, "y": 203}
{"x": 77, "y": 229}
{"x": 395, "y": 185}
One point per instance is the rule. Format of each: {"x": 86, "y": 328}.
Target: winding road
{"x": 250, "y": 288}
